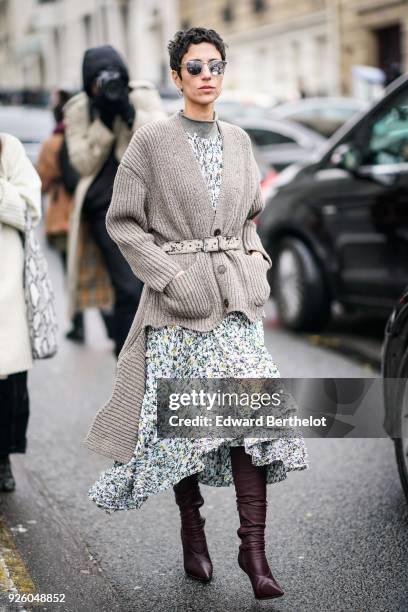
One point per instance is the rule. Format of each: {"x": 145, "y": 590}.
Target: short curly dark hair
{"x": 182, "y": 40}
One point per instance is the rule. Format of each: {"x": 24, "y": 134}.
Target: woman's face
{"x": 202, "y": 88}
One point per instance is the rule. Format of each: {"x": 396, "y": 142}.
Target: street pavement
{"x": 337, "y": 537}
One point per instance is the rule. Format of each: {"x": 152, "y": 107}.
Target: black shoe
{"x": 7, "y": 482}
{"x": 109, "y": 322}
{"x": 77, "y": 332}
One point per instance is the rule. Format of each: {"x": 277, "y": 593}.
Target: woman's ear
{"x": 176, "y": 79}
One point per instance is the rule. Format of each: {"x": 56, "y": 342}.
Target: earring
{"x": 181, "y": 92}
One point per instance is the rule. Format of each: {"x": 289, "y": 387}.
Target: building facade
{"x": 42, "y": 42}
{"x": 278, "y": 47}
{"x": 286, "y": 47}
{"x": 372, "y": 33}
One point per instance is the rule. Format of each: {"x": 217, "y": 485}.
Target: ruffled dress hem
{"x": 116, "y": 488}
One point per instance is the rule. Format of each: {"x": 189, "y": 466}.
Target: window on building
{"x": 87, "y": 23}
{"x": 259, "y": 6}
{"x": 104, "y": 23}
{"x": 57, "y": 49}
{"x": 228, "y": 13}
{"x": 124, "y": 15}
{"x": 389, "y": 42}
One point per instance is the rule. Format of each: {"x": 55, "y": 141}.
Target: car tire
{"x": 298, "y": 287}
{"x": 401, "y": 444}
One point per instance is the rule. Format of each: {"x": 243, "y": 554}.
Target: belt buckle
{"x": 207, "y": 248}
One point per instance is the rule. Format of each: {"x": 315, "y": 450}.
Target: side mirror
{"x": 347, "y": 157}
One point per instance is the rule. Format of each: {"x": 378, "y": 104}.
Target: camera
{"x": 111, "y": 84}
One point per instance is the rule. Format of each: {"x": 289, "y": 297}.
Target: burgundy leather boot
{"x": 250, "y": 487}
{"x": 197, "y": 562}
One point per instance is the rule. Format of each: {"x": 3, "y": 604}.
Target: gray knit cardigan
{"x": 160, "y": 195}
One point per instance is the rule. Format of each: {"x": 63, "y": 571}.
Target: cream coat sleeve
{"x": 88, "y": 142}
{"x": 20, "y": 185}
{"x": 147, "y": 103}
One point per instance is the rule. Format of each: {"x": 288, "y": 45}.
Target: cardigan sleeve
{"x": 250, "y": 236}
{"x": 126, "y": 224}
{"x": 20, "y": 187}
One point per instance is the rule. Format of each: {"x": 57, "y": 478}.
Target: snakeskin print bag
{"x": 39, "y": 297}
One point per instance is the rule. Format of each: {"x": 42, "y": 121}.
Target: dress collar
{"x": 204, "y": 128}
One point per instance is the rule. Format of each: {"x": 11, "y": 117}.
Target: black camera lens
{"x": 111, "y": 84}
{"x": 114, "y": 89}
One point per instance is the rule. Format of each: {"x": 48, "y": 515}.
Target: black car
{"x": 395, "y": 384}
{"x": 281, "y": 142}
{"x": 336, "y": 227}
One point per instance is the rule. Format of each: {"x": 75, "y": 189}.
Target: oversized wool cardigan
{"x": 160, "y": 195}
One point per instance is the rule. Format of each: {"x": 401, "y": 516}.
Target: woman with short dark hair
{"x": 182, "y": 211}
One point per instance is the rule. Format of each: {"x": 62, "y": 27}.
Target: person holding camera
{"x": 99, "y": 124}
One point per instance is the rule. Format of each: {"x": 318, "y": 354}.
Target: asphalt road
{"x": 337, "y": 537}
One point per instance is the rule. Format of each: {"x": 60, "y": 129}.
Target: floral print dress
{"x": 234, "y": 348}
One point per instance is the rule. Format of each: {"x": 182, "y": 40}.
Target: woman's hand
{"x": 256, "y": 253}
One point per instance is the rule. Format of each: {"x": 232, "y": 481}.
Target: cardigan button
{"x": 226, "y": 302}
{"x": 217, "y": 232}
{"x": 221, "y": 269}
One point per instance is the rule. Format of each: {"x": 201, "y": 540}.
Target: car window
{"x": 265, "y": 138}
{"x": 325, "y": 121}
{"x": 388, "y": 135}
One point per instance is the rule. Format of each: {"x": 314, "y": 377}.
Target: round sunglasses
{"x": 194, "y": 67}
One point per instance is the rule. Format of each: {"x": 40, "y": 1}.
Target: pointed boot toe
{"x": 263, "y": 583}
{"x": 197, "y": 562}
{"x": 266, "y": 587}
{"x": 198, "y": 568}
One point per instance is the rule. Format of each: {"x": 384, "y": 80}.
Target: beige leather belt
{"x": 207, "y": 244}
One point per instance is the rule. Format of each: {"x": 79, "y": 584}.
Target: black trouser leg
{"x": 14, "y": 413}
{"x": 78, "y": 318}
{"x": 127, "y": 287}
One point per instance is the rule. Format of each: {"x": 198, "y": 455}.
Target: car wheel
{"x": 298, "y": 287}
{"x": 401, "y": 444}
